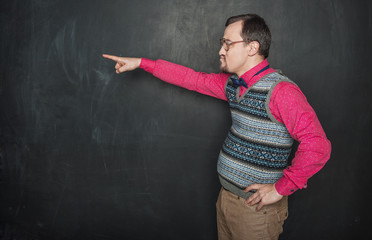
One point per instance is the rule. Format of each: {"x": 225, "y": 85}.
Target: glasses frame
{"x": 228, "y": 43}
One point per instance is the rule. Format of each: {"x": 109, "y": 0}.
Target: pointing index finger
{"x": 112, "y": 57}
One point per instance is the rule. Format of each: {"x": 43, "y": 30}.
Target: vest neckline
{"x": 237, "y": 91}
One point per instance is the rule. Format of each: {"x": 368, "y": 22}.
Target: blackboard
{"x": 89, "y": 154}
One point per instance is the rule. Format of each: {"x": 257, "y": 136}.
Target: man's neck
{"x": 251, "y": 63}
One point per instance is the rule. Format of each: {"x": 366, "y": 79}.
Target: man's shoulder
{"x": 278, "y": 78}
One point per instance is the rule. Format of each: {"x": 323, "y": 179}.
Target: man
{"x": 268, "y": 112}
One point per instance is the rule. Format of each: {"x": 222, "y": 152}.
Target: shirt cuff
{"x": 285, "y": 187}
{"x": 148, "y": 65}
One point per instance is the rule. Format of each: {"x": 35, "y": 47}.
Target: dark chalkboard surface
{"x": 88, "y": 154}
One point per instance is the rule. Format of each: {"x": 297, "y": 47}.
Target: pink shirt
{"x": 287, "y": 104}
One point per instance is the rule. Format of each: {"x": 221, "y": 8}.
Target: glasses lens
{"x": 224, "y": 44}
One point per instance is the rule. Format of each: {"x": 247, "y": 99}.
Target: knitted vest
{"x": 257, "y": 146}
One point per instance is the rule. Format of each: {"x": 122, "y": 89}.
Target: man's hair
{"x": 254, "y": 29}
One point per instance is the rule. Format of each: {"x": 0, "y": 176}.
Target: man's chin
{"x": 224, "y": 69}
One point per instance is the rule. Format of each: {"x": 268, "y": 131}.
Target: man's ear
{"x": 253, "y": 48}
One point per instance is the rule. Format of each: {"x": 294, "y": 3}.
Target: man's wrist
{"x": 147, "y": 64}
{"x": 276, "y": 191}
{"x": 285, "y": 187}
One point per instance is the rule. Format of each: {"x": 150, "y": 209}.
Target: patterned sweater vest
{"x": 257, "y": 146}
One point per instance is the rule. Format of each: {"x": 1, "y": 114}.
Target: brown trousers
{"x": 237, "y": 220}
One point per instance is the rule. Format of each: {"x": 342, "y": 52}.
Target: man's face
{"x": 234, "y": 60}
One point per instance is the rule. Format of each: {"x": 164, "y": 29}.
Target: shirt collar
{"x": 248, "y": 76}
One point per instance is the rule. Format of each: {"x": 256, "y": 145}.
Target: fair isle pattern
{"x": 257, "y": 146}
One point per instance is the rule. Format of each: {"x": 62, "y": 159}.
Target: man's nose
{"x": 222, "y": 51}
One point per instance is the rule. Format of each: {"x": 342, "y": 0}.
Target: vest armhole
{"x": 267, "y": 102}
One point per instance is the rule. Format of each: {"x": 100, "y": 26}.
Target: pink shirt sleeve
{"x": 289, "y": 106}
{"x": 211, "y": 84}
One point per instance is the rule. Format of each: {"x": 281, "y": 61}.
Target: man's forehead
{"x": 233, "y": 30}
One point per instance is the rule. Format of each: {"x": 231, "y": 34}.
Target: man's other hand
{"x": 266, "y": 194}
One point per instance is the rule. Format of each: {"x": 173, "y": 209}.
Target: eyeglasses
{"x": 227, "y": 43}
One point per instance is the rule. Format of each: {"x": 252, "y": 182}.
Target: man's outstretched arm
{"x": 210, "y": 84}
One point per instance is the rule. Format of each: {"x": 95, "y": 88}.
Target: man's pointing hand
{"x": 124, "y": 64}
